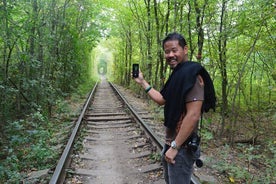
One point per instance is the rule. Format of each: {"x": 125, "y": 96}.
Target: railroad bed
{"x": 114, "y": 148}
{"x": 111, "y": 143}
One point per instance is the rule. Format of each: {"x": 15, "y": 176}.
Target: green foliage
{"x": 26, "y": 148}
{"x": 204, "y": 131}
{"x": 240, "y": 172}
{"x": 45, "y": 53}
{"x": 9, "y": 170}
{"x": 61, "y": 107}
{"x": 155, "y": 157}
{"x": 85, "y": 87}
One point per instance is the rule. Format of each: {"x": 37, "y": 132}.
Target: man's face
{"x": 174, "y": 53}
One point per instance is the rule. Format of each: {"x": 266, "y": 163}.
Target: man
{"x": 184, "y": 99}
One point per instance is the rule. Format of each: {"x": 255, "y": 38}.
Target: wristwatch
{"x": 174, "y": 146}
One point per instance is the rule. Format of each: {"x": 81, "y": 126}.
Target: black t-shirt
{"x": 175, "y": 91}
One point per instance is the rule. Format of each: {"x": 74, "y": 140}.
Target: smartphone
{"x": 135, "y": 70}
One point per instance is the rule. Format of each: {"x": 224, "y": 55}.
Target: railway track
{"x": 117, "y": 146}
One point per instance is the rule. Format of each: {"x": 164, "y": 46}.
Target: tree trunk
{"x": 149, "y": 41}
{"x": 159, "y": 79}
{"x": 222, "y": 43}
{"x": 200, "y": 33}
{"x": 190, "y": 42}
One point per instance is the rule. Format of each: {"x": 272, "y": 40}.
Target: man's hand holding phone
{"x": 138, "y": 76}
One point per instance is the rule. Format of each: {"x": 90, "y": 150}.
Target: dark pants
{"x": 181, "y": 171}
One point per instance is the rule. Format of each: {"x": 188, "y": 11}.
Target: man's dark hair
{"x": 175, "y": 36}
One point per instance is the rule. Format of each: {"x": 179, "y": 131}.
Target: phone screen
{"x": 135, "y": 70}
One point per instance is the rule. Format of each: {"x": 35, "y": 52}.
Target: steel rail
{"x": 59, "y": 173}
{"x": 148, "y": 130}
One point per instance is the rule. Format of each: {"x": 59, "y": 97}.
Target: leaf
{"x": 232, "y": 180}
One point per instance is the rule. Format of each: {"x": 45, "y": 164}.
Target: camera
{"x": 199, "y": 163}
{"x": 193, "y": 142}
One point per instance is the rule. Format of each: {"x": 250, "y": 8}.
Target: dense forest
{"x": 52, "y": 49}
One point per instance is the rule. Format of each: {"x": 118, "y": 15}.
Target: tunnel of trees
{"x": 48, "y": 52}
